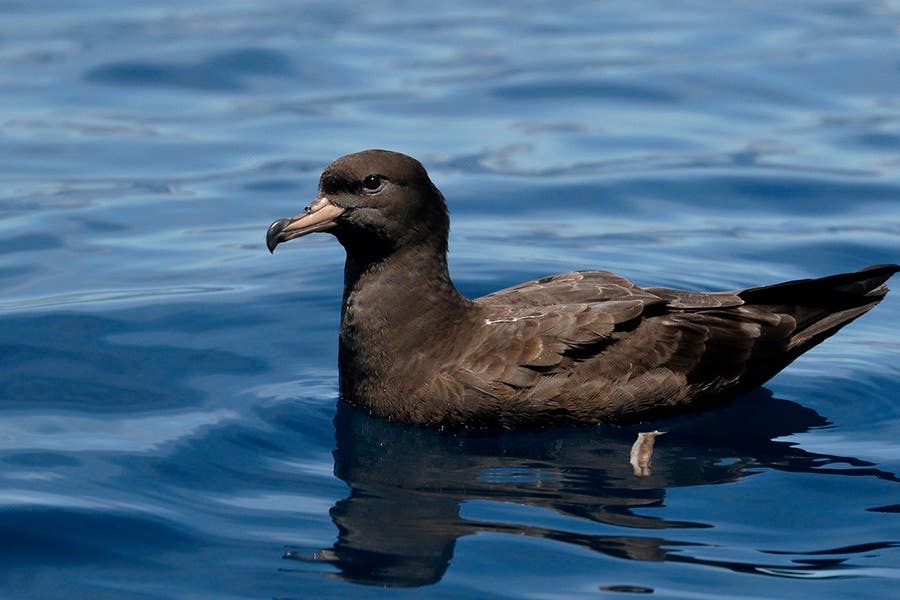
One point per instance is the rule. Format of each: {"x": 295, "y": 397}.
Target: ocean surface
{"x": 169, "y": 415}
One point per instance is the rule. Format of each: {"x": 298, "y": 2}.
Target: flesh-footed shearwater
{"x": 577, "y": 348}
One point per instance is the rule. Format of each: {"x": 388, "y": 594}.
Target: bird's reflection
{"x": 401, "y": 520}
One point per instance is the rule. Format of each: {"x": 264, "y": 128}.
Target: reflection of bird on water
{"x": 401, "y": 520}
{"x": 583, "y": 347}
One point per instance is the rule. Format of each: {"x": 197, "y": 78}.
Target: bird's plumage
{"x": 575, "y": 348}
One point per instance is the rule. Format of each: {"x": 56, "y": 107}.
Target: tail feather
{"x": 860, "y": 286}
{"x": 822, "y": 306}
{"x": 818, "y": 331}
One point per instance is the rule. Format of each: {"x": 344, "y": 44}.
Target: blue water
{"x": 169, "y": 424}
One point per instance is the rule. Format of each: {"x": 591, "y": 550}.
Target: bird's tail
{"x": 823, "y": 306}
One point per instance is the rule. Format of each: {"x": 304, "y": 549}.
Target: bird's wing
{"x": 542, "y": 325}
{"x": 599, "y": 286}
{"x": 682, "y": 355}
{"x": 592, "y": 345}
{"x": 515, "y": 349}
{"x": 567, "y": 288}
{"x": 532, "y": 332}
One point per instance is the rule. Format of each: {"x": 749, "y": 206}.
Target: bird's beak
{"x": 320, "y": 215}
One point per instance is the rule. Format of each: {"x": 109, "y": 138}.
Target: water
{"x": 168, "y": 416}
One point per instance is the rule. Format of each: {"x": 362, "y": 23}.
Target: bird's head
{"x": 375, "y": 201}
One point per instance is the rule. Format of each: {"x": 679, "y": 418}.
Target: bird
{"x": 575, "y": 349}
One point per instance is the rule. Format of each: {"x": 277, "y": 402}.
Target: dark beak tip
{"x": 274, "y": 233}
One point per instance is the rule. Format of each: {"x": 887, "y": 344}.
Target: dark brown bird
{"x": 576, "y": 348}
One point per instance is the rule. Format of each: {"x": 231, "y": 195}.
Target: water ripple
{"x": 169, "y": 415}
{"x": 118, "y": 297}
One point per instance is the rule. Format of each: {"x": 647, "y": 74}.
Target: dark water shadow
{"x": 400, "y": 523}
{"x": 228, "y": 71}
{"x": 72, "y": 361}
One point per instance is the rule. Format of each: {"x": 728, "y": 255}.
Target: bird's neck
{"x": 396, "y": 310}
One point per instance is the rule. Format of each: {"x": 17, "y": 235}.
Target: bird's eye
{"x": 372, "y": 183}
